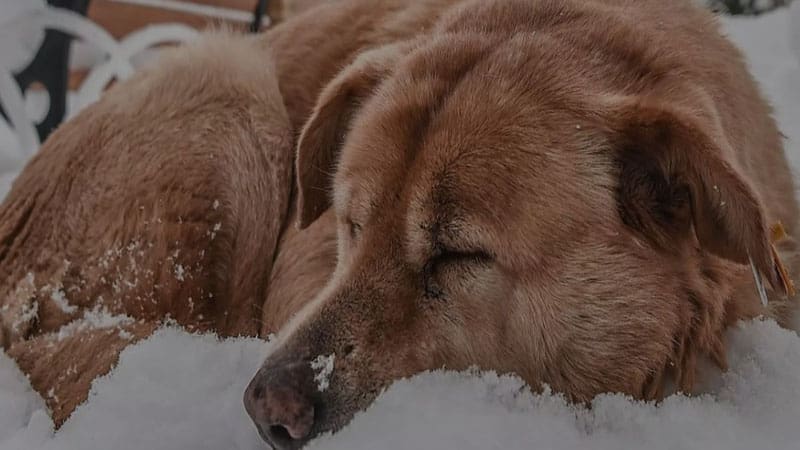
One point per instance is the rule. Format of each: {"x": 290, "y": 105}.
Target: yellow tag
{"x": 777, "y": 232}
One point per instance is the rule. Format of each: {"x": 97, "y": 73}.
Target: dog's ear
{"x": 674, "y": 177}
{"x": 323, "y": 135}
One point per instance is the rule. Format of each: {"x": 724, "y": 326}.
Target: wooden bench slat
{"x": 122, "y": 18}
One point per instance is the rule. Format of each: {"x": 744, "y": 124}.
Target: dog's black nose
{"x": 280, "y": 400}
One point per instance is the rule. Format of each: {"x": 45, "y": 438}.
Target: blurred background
{"x": 749, "y": 7}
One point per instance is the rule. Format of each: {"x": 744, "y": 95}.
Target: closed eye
{"x": 444, "y": 256}
{"x": 354, "y": 229}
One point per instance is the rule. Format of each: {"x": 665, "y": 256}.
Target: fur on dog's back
{"x": 147, "y": 179}
{"x": 164, "y": 200}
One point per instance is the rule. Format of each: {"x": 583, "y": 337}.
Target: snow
{"x": 179, "y": 272}
{"x": 146, "y": 403}
{"x": 754, "y": 405}
{"x": 60, "y": 299}
{"x": 323, "y": 368}
{"x": 96, "y": 318}
{"x": 18, "y": 400}
{"x": 178, "y": 390}
{"x": 29, "y": 313}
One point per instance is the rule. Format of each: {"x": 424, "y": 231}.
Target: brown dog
{"x": 567, "y": 190}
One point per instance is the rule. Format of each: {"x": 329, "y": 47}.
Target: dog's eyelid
{"x": 443, "y": 252}
{"x": 353, "y": 226}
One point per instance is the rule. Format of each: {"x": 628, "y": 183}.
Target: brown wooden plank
{"x": 76, "y": 78}
{"x": 244, "y": 5}
{"x": 121, "y": 18}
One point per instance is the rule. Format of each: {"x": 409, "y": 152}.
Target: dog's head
{"x": 493, "y": 211}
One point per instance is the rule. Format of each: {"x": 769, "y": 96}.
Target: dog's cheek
{"x": 471, "y": 318}
{"x": 472, "y": 284}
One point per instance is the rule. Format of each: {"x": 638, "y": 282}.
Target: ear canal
{"x": 706, "y": 191}
{"x": 323, "y": 135}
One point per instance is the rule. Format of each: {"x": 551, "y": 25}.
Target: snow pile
{"x": 172, "y": 391}
{"x": 755, "y": 405}
{"x": 181, "y": 391}
{"x": 18, "y": 401}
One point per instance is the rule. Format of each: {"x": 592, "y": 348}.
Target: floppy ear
{"x": 674, "y": 177}
{"x": 323, "y": 135}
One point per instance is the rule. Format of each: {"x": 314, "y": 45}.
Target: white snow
{"x": 17, "y": 399}
{"x": 180, "y": 391}
{"x": 179, "y": 272}
{"x": 755, "y": 405}
{"x": 172, "y": 391}
{"x": 98, "y": 317}
{"x": 217, "y": 226}
{"x": 29, "y": 312}
{"x": 60, "y": 299}
{"x": 323, "y": 368}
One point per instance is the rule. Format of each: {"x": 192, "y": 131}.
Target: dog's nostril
{"x": 279, "y": 433}
{"x": 280, "y": 401}
{"x": 348, "y": 349}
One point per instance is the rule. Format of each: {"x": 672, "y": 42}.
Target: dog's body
{"x": 127, "y": 212}
{"x": 567, "y": 190}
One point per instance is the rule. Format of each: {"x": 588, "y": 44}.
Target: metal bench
{"x": 50, "y": 65}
